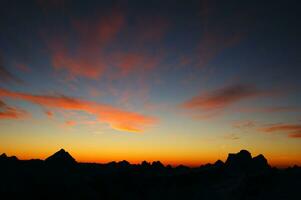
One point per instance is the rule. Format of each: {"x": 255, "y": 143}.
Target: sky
{"x": 183, "y": 82}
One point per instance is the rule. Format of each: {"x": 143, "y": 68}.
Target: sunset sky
{"x": 183, "y": 82}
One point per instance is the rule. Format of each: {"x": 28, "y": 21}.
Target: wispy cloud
{"x": 215, "y": 101}
{"x": 86, "y": 58}
{"x": 6, "y": 76}
{"x": 49, "y": 113}
{"x": 292, "y": 130}
{"x": 70, "y": 123}
{"x": 116, "y": 118}
{"x": 244, "y": 124}
{"x": 271, "y": 109}
{"x": 8, "y": 112}
{"x": 231, "y": 136}
{"x": 222, "y": 98}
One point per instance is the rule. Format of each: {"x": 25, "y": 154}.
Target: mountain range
{"x": 60, "y": 176}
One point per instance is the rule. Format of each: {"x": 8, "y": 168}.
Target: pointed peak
{"x": 62, "y": 151}
{"x": 61, "y": 157}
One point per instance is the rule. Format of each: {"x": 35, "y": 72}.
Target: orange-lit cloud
{"x": 293, "y": 130}
{"x": 133, "y": 62}
{"x": 97, "y": 51}
{"x": 86, "y": 58}
{"x": 70, "y": 123}
{"x": 49, "y": 113}
{"x": 295, "y": 135}
{"x": 8, "y": 112}
{"x": 281, "y": 127}
{"x": 78, "y": 66}
{"x": 116, "y": 118}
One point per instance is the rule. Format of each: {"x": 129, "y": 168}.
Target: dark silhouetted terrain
{"x": 61, "y": 177}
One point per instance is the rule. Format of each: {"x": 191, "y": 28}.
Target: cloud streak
{"x": 116, "y": 118}
{"x": 222, "y": 98}
{"x": 6, "y": 76}
{"x": 213, "y": 103}
{"x": 8, "y": 112}
{"x": 271, "y": 109}
{"x": 292, "y": 130}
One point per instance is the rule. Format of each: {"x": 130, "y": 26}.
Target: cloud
{"x": 70, "y": 123}
{"x": 105, "y": 45}
{"x": 292, "y": 130}
{"x": 151, "y": 29}
{"x": 84, "y": 66}
{"x": 212, "y": 44}
{"x": 213, "y": 103}
{"x": 219, "y": 33}
{"x": 133, "y": 62}
{"x": 245, "y": 124}
{"x": 222, "y": 98}
{"x": 7, "y": 112}
{"x": 6, "y": 76}
{"x": 231, "y": 136}
{"x": 49, "y": 113}
{"x": 271, "y": 109}
{"x": 281, "y": 127}
{"x": 295, "y": 135}
{"x": 116, "y": 118}
{"x": 24, "y": 68}
{"x": 85, "y": 57}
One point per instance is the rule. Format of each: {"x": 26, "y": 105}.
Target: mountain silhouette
{"x": 4, "y": 157}
{"x": 242, "y": 162}
{"x": 61, "y": 157}
{"x": 59, "y": 176}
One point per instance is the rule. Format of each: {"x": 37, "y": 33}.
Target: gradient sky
{"x": 177, "y": 81}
